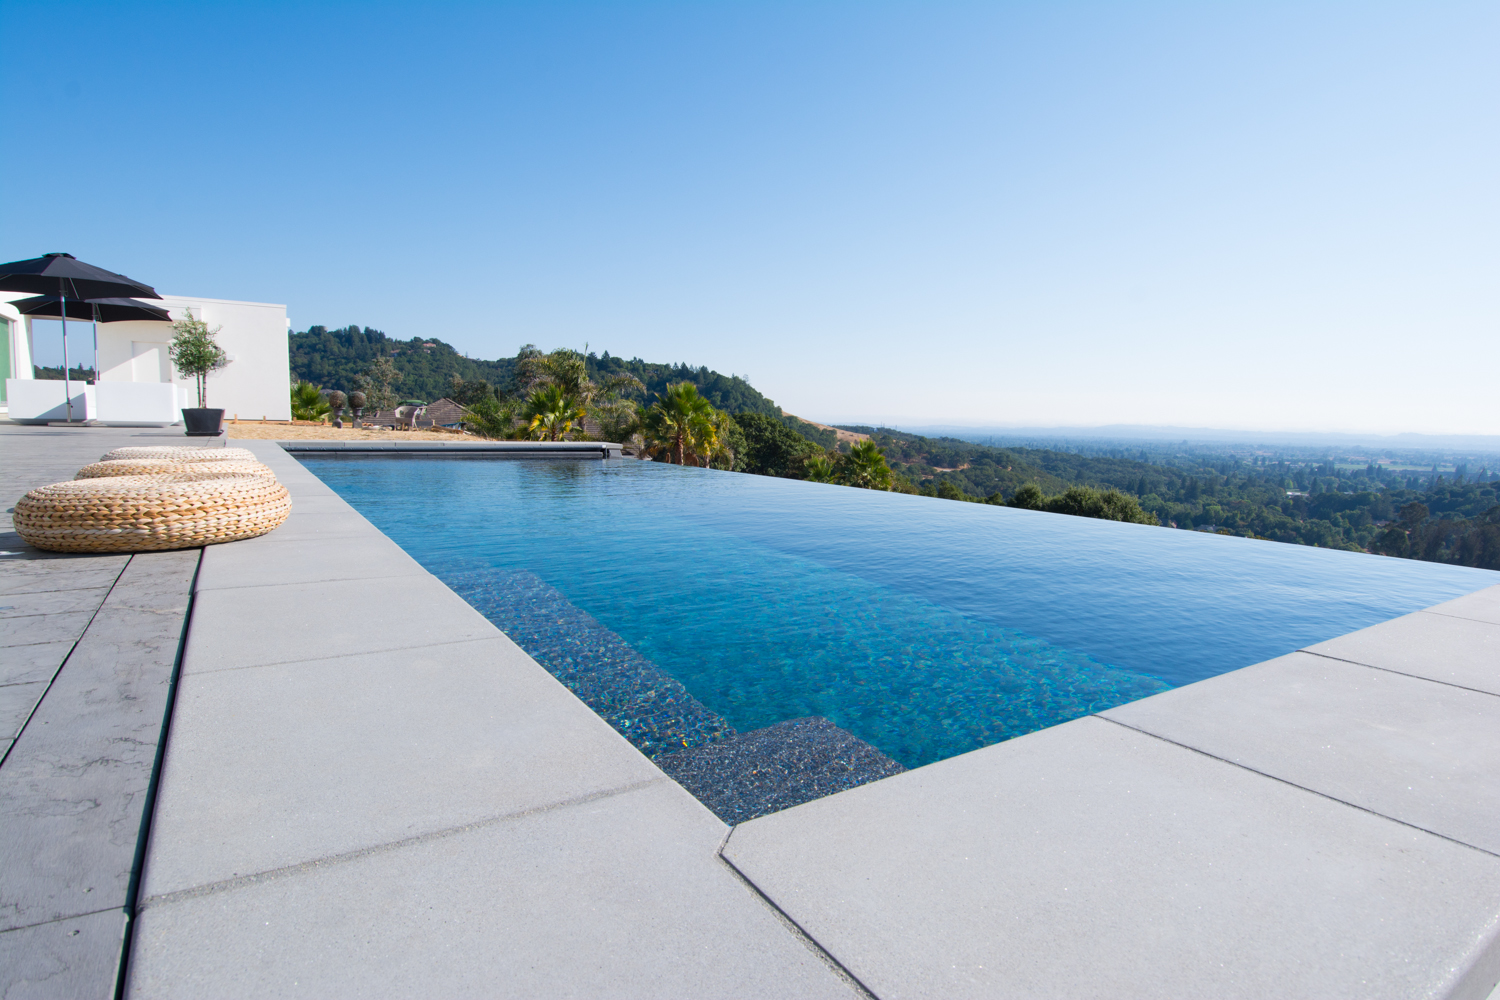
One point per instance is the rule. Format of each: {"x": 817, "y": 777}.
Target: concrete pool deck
{"x": 367, "y": 789}
{"x": 87, "y": 650}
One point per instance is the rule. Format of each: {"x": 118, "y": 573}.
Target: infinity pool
{"x": 926, "y": 627}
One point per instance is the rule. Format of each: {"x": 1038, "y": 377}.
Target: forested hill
{"x": 330, "y": 359}
{"x": 1444, "y": 519}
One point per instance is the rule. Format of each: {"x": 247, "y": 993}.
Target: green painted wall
{"x": 9, "y": 329}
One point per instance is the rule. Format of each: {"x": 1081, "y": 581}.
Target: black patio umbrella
{"x": 67, "y": 277}
{"x": 95, "y": 310}
{"x": 64, "y": 275}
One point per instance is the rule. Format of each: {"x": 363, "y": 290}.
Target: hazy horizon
{"x": 1483, "y": 443}
{"x": 1279, "y": 216}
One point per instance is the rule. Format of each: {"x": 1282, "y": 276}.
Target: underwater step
{"x": 644, "y": 703}
{"x": 777, "y": 767}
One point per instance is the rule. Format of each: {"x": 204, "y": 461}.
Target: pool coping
{"x": 615, "y": 881}
{"x": 458, "y": 449}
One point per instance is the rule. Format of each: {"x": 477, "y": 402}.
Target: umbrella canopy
{"x": 63, "y": 274}
{"x": 98, "y": 310}
{"x": 67, "y": 277}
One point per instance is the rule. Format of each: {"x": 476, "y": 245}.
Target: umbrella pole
{"x": 96, "y": 349}
{"x": 67, "y": 389}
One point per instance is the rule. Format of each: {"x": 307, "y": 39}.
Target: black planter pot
{"x": 203, "y": 422}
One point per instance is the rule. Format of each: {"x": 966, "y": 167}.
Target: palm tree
{"x": 818, "y": 469}
{"x": 865, "y": 467}
{"x": 307, "y": 402}
{"x": 567, "y": 370}
{"x": 616, "y": 419}
{"x": 552, "y": 411}
{"x": 719, "y": 451}
{"x": 681, "y": 420}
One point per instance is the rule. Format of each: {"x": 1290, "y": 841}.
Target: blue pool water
{"x": 926, "y": 627}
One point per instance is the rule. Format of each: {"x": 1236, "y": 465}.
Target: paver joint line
{"x": 1293, "y": 784}
{"x": 148, "y": 809}
{"x": 1402, "y": 673}
{"x": 795, "y": 929}
{"x": 1462, "y": 618}
{"x": 64, "y": 662}
{"x": 199, "y": 672}
{"x": 287, "y": 871}
{"x": 417, "y": 572}
{"x": 62, "y": 920}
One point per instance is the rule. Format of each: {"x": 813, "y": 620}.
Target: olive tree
{"x": 195, "y": 353}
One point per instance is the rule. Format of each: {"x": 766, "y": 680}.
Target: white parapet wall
{"x": 37, "y": 401}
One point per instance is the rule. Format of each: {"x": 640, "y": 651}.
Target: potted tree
{"x": 195, "y": 354}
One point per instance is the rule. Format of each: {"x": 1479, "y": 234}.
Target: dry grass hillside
{"x": 845, "y": 437}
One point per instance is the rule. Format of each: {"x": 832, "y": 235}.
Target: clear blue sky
{"x": 1262, "y": 216}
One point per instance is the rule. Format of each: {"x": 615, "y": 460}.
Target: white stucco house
{"x": 137, "y": 386}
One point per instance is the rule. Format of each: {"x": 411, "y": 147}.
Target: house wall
{"x": 253, "y": 334}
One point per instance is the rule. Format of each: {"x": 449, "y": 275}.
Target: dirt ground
{"x": 311, "y": 432}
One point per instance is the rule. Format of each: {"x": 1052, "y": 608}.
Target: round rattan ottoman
{"x": 150, "y": 513}
{"x": 168, "y": 466}
{"x": 180, "y": 454}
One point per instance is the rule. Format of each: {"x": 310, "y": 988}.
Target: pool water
{"x": 925, "y": 627}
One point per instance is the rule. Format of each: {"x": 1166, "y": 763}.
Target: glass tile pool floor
{"x": 687, "y": 605}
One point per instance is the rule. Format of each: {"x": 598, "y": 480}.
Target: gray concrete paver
{"x": 275, "y": 766}
{"x": 290, "y": 471}
{"x": 35, "y": 630}
{"x": 156, "y": 583}
{"x": 1442, "y": 648}
{"x": 304, "y": 524}
{"x": 1092, "y": 860}
{"x": 1407, "y": 748}
{"x": 77, "y": 958}
{"x": 39, "y": 576}
{"x": 75, "y": 782}
{"x": 16, "y": 703}
{"x": 51, "y": 602}
{"x": 255, "y": 626}
{"x": 620, "y": 896}
{"x": 1482, "y": 605}
{"x": 24, "y": 664}
{"x": 275, "y": 560}
{"x": 17, "y": 555}
{"x": 319, "y": 505}
{"x": 297, "y": 475}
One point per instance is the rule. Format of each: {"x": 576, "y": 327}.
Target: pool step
{"x": 775, "y": 768}
{"x": 644, "y": 703}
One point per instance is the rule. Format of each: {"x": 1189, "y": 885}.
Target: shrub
{"x": 1084, "y": 501}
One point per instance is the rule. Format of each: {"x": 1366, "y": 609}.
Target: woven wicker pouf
{"x": 150, "y": 513}
{"x": 181, "y": 454}
{"x": 168, "y": 466}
